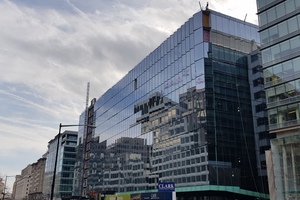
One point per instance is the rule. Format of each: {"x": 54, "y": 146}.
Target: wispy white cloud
{"x": 31, "y": 103}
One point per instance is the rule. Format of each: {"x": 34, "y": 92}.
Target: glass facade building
{"x": 183, "y": 115}
{"x": 279, "y": 22}
{"x": 65, "y": 165}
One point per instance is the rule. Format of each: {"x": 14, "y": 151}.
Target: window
{"x": 263, "y": 135}
{"x": 257, "y": 69}
{"x": 135, "y": 84}
{"x": 260, "y": 107}
{"x": 262, "y": 121}
{"x": 259, "y": 94}
{"x": 254, "y": 58}
{"x": 258, "y": 81}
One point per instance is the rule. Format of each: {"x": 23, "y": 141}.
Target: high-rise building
{"x": 279, "y": 25}
{"x": 66, "y": 158}
{"x": 183, "y": 115}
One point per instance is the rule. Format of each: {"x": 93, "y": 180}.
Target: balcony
{"x": 282, "y": 80}
{"x": 286, "y": 124}
{"x": 284, "y": 101}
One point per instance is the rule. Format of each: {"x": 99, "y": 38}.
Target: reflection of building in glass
{"x": 84, "y": 150}
{"x": 121, "y": 166}
{"x": 280, "y": 40}
{"x": 179, "y": 138}
{"x": 65, "y": 165}
{"x": 188, "y": 103}
{"x": 128, "y": 165}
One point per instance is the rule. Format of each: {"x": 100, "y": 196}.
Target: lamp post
{"x": 57, "y": 148}
{"x": 3, "y": 193}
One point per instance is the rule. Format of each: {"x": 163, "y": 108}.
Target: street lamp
{"x": 57, "y": 148}
{"x": 3, "y": 193}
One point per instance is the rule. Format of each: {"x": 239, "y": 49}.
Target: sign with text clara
{"x": 166, "y": 186}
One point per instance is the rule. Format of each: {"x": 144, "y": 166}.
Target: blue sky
{"x": 50, "y": 50}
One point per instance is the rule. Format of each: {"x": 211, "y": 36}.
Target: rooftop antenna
{"x": 245, "y": 17}
{"x": 206, "y": 8}
{"x": 200, "y": 5}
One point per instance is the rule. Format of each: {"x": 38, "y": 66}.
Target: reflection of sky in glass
{"x": 176, "y": 65}
{"x": 235, "y": 27}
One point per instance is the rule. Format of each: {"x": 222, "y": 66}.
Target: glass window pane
{"x": 290, "y": 88}
{"x": 262, "y": 18}
{"x": 198, "y": 52}
{"x": 297, "y": 3}
{"x": 290, "y": 6}
{"x": 198, "y": 36}
{"x": 275, "y": 52}
{"x": 199, "y": 68}
{"x": 292, "y": 24}
{"x": 280, "y": 90}
{"x": 268, "y": 75}
{"x": 187, "y": 44}
{"x": 297, "y": 84}
{"x": 296, "y": 65}
{"x": 260, "y": 3}
{"x": 287, "y": 69}
{"x": 280, "y": 10}
{"x": 277, "y": 70}
{"x": 295, "y": 43}
{"x": 285, "y": 48}
{"x": 270, "y": 95}
{"x": 266, "y": 55}
{"x": 273, "y": 32}
{"x": 264, "y": 36}
{"x": 282, "y": 29}
{"x": 271, "y": 14}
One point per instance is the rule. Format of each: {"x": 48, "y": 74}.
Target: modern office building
{"x": 66, "y": 158}
{"x": 279, "y": 25}
{"x": 183, "y": 115}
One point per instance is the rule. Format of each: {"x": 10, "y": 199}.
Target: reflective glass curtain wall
{"x": 66, "y": 164}
{"x": 49, "y": 167}
{"x": 183, "y": 114}
{"x": 280, "y": 38}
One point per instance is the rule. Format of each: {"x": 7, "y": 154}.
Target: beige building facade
{"x": 23, "y": 183}
{"x": 29, "y": 185}
{"x": 37, "y": 179}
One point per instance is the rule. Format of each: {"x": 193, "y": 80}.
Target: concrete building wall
{"x": 37, "y": 179}
{"x": 22, "y": 187}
